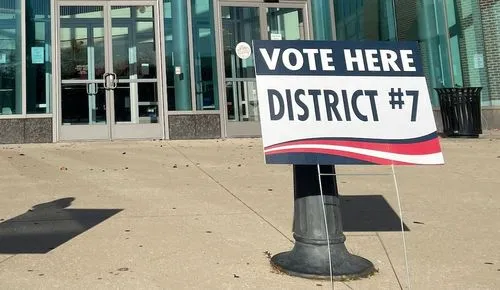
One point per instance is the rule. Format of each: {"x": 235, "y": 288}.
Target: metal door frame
{"x": 305, "y": 5}
{"x": 130, "y": 130}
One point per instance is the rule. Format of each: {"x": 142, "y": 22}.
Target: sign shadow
{"x": 48, "y": 225}
{"x": 369, "y": 213}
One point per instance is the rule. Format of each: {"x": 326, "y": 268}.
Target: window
{"x": 424, "y": 21}
{"x": 468, "y": 47}
{"x": 177, "y": 55}
{"x": 205, "y": 56}
{"x": 322, "y": 19}
{"x": 365, "y": 19}
{"x": 38, "y": 64}
{"x": 10, "y": 57}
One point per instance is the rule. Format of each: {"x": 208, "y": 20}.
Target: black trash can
{"x": 461, "y": 111}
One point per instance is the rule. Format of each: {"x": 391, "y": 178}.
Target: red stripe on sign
{"x": 358, "y": 156}
{"x": 427, "y": 147}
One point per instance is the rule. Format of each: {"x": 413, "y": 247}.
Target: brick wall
{"x": 490, "y": 14}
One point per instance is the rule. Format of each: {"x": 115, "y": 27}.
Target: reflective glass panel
{"x": 10, "y": 57}
{"x": 38, "y": 57}
{"x": 285, "y": 24}
{"x": 424, "y": 21}
{"x": 133, "y": 38}
{"x": 82, "y": 44}
{"x": 240, "y": 24}
{"x": 136, "y": 103}
{"x": 322, "y": 19}
{"x": 134, "y": 61}
{"x": 205, "y": 56}
{"x": 365, "y": 19}
{"x": 83, "y": 104}
{"x": 82, "y": 57}
{"x": 177, "y": 55}
{"x": 471, "y": 50}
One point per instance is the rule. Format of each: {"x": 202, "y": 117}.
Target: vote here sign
{"x": 333, "y": 102}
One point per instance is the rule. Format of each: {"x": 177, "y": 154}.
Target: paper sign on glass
{"x": 335, "y": 102}
{"x": 276, "y": 36}
{"x": 37, "y": 55}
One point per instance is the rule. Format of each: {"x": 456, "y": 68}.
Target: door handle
{"x": 92, "y": 88}
{"x": 114, "y": 81}
{"x": 105, "y": 79}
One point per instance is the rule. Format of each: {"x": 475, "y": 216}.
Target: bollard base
{"x": 311, "y": 261}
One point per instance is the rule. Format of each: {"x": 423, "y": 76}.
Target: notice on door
{"x": 276, "y": 36}
{"x": 37, "y": 55}
{"x": 243, "y": 50}
{"x": 326, "y": 102}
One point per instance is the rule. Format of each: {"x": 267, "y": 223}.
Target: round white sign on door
{"x": 243, "y": 50}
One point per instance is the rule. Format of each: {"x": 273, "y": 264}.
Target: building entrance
{"x": 109, "y": 70}
{"x": 243, "y": 22}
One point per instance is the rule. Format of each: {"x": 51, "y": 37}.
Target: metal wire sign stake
{"x": 326, "y": 226}
{"x": 328, "y": 103}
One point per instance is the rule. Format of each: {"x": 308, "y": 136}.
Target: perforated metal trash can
{"x": 461, "y": 111}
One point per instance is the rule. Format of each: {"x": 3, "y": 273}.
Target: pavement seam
{"x": 390, "y": 261}
{"x": 125, "y": 217}
{"x": 183, "y": 215}
{"x": 6, "y": 259}
{"x": 231, "y": 193}
{"x": 347, "y": 285}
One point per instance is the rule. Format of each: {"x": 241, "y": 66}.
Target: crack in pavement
{"x": 182, "y": 215}
{"x": 390, "y": 261}
{"x": 6, "y": 259}
{"x": 131, "y": 217}
{"x": 231, "y": 193}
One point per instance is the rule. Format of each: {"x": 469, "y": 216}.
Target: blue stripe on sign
{"x": 312, "y": 159}
{"x": 391, "y": 52}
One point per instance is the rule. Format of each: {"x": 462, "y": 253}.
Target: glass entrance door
{"x": 109, "y": 70}
{"x": 244, "y": 22}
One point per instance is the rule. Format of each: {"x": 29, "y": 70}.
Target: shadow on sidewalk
{"x": 369, "y": 213}
{"x": 47, "y": 226}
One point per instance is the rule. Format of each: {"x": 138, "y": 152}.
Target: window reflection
{"x": 134, "y": 59}
{"x": 240, "y": 24}
{"x": 205, "y": 61}
{"x": 136, "y": 103}
{"x": 134, "y": 48}
{"x": 285, "y": 24}
{"x": 177, "y": 55}
{"x": 38, "y": 62}
{"x": 83, "y": 104}
{"x": 82, "y": 43}
{"x": 10, "y": 57}
{"x": 426, "y": 25}
{"x": 469, "y": 48}
{"x": 365, "y": 19}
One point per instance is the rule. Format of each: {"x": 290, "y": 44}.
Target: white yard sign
{"x": 329, "y": 102}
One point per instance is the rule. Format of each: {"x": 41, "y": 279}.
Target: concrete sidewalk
{"x": 207, "y": 214}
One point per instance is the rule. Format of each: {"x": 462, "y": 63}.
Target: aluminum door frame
{"x": 249, "y": 128}
{"x": 150, "y": 130}
{"x": 85, "y": 131}
{"x": 76, "y": 132}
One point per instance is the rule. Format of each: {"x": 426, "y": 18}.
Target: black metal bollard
{"x": 309, "y": 256}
